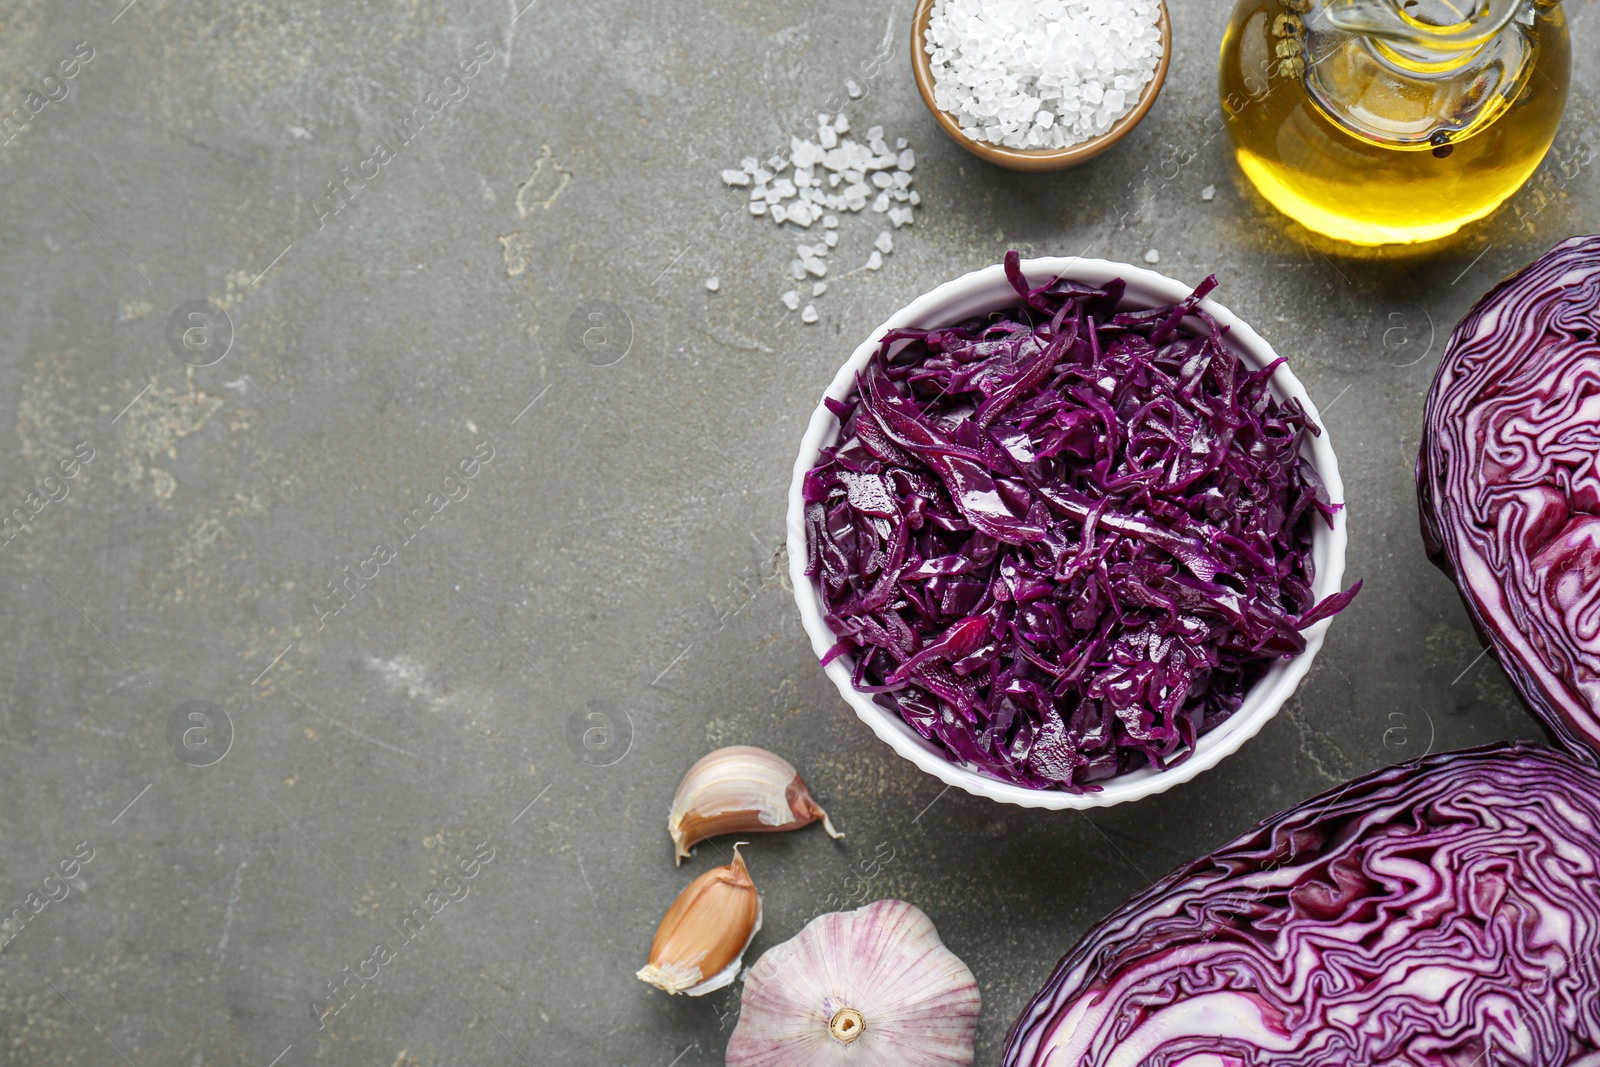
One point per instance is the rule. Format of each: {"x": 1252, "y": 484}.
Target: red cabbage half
{"x": 1440, "y": 913}
{"x": 1509, "y": 480}
{"x": 1063, "y": 540}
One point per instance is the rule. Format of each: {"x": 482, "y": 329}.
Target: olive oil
{"x": 1375, "y": 143}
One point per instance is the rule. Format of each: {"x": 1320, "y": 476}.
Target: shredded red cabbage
{"x": 1063, "y": 541}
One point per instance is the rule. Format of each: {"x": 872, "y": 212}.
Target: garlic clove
{"x": 701, "y": 940}
{"x": 871, "y": 986}
{"x": 740, "y": 790}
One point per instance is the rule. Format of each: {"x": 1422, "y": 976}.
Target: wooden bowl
{"x": 1035, "y": 159}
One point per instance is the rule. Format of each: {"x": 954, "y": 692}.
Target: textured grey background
{"x": 621, "y": 552}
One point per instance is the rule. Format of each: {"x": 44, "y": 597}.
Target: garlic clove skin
{"x": 740, "y": 790}
{"x": 702, "y": 938}
{"x": 873, "y": 987}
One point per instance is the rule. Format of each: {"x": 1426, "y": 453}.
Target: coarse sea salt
{"x": 1041, "y": 74}
{"x": 818, "y": 181}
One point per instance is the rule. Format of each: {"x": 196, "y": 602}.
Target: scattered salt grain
{"x": 1152, "y": 257}
{"x": 853, "y": 87}
{"x": 790, "y": 188}
{"x": 1208, "y": 193}
{"x": 713, "y": 283}
{"x": 1041, "y": 73}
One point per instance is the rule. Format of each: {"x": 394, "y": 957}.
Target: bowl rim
{"x": 987, "y": 289}
{"x": 1035, "y": 159}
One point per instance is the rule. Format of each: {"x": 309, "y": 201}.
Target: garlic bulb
{"x": 702, "y": 937}
{"x": 873, "y": 987}
{"x": 740, "y": 790}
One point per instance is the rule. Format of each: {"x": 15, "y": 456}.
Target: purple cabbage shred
{"x": 1062, "y": 541}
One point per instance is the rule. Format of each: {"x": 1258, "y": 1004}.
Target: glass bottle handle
{"x": 1389, "y": 19}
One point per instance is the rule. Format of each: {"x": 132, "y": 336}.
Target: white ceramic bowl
{"x": 987, "y": 290}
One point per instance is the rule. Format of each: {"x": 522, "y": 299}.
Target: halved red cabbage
{"x": 1063, "y": 541}
{"x": 1509, "y": 480}
{"x": 1439, "y": 913}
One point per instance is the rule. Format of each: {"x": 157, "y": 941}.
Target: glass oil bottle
{"x": 1393, "y": 121}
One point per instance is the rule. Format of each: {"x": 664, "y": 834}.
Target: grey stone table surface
{"x": 617, "y": 550}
